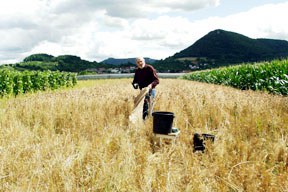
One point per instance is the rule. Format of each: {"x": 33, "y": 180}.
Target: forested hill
{"x": 230, "y": 47}
{"x": 43, "y": 61}
{"x": 222, "y": 48}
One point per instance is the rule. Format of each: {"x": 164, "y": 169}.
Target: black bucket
{"x": 162, "y": 122}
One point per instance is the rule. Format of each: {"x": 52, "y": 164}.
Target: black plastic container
{"x": 199, "y": 141}
{"x": 162, "y": 122}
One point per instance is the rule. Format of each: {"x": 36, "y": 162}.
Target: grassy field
{"x": 80, "y": 139}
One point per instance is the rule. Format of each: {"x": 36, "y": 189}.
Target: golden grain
{"x": 81, "y": 140}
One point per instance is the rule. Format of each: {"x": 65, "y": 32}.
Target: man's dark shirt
{"x": 146, "y": 76}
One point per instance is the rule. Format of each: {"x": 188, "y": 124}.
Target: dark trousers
{"x": 146, "y": 106}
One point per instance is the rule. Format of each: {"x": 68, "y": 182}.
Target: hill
{"x": 222, "y": 48}
{"x": 230, "y": 47}
{"x": 72, "y": 63}
{"x": 42, "y": 61}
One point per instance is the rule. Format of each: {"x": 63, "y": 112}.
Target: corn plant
{"x": 16, "y": 83}
{"x": 267, "y": 76}
{"x": 6, "y": 82}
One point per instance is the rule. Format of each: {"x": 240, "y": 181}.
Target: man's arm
{"x": 135, "y": 82}
{"x": 155, "y": 78}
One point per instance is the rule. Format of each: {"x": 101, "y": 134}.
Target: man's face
{"x": 140, "y": 63}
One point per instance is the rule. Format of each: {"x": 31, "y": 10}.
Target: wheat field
{"x": 81, "y": 139}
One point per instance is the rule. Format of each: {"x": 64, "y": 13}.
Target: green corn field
{"x": 267, "y": 76}
{"x": 15, "y": 83}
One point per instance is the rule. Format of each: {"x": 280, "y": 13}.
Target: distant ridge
{"x": 114, "y": 61}
{"x": 222, "y": 46}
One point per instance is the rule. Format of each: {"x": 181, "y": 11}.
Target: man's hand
{"x": 149, "y": 86}
{"x": 135, "y": 85}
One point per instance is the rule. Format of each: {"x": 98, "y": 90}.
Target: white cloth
{"x": 136, "y": 114}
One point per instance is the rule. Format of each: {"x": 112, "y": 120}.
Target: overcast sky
{"x": 98, "y": 29}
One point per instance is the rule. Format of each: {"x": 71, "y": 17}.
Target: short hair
{"x": 141, "y": 59}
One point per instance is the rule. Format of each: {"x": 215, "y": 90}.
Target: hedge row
{"x": 15, "y": 83}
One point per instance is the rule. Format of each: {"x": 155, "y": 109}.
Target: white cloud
{"x": 262, "y": 22}
{"x": 184, "y": 5}
{"x": 14, "y": 7}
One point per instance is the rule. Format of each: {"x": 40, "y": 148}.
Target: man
{"x": 146, "y": 77}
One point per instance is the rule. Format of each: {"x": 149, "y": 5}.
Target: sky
{"x": 99, "y": 29}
